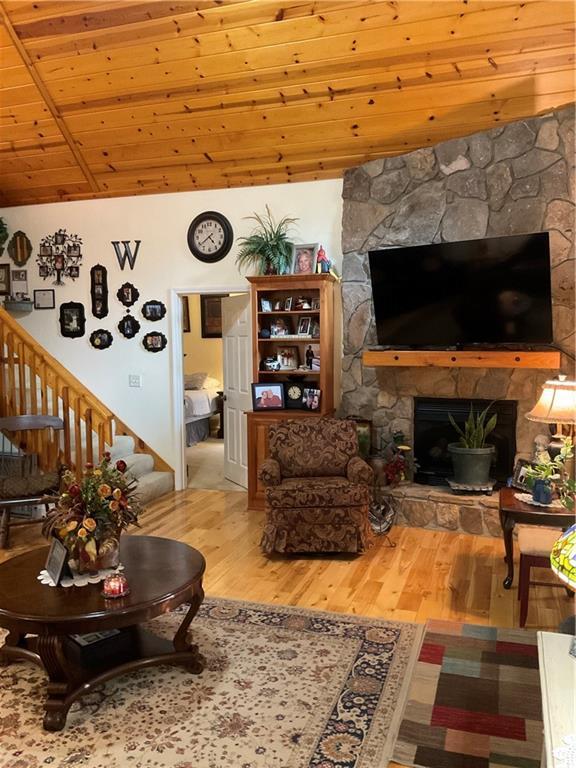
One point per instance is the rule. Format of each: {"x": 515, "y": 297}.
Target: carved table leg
{"x": 181, "y": 642}
{"x": 507, "y": 523}
{"x": 13, "y": 640}
{"x": 52, "y": 655}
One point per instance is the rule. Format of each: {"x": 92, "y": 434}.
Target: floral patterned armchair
{"x": 318, "y": 489}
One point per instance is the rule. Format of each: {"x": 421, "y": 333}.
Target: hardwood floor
{"x": 430, "y": 574}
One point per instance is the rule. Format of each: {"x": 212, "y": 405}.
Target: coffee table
{"x": 162, "y": 575}
{"x": 513, "y": 511}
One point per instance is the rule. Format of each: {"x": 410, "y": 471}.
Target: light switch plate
{"x": 134, "y": 380}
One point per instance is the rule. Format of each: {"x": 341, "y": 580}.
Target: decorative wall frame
{"x": 4, "y": 279}
{"x": 128, "y": 294}
{"x": 99, "y": 291}
{"x": 127, "y": 256}
{"x": 185, "y": 314}
{"x": 154, "y": 341}
{"x": 153, "y": 310}
{"x": 128, "y": 326}
{"x": 211, "y": 315}
{"x": 19, "y": 248}
{"x": 19, "y": 284}
{"x": 45, "y": 298}
{"x": 101, "y": 338}
{"x": 72, "y": 319}
{"x": 60, "y": 255}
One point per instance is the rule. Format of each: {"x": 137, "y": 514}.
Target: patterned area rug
{"x": 282, "y": 688}
{"x": 474, "y": 700}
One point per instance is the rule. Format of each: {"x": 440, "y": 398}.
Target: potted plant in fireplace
{"x": 472, "y": 456}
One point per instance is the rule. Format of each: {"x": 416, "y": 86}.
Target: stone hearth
{"x": 432, "y": 507}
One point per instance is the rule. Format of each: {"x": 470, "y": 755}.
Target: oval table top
{"x": 161, "y": 574}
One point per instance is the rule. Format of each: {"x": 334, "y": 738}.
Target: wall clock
{"x": 210, "y": 236}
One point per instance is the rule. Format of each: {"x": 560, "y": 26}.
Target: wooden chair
{"x": 535, "y": 543}
{"x": 22, "y": 482}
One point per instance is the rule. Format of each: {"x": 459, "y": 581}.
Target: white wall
{"x": 164, "y": 262}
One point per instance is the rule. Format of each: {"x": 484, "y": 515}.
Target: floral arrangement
{"x": 91, "y": 513}
{"x": 400, "y": 464}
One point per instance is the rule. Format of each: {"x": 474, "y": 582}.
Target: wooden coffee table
{"x": 162, "y": 575}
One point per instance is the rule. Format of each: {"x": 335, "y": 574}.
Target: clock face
{"x": 210, "y": 236}
{"x": 294, "y": 392}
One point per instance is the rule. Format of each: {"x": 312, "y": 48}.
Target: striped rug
{"x": 474, "y": 700}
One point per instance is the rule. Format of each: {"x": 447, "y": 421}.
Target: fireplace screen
{"x": 433, "y": 432}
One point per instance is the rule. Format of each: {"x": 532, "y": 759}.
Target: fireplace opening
{"x": 433, "y": 432}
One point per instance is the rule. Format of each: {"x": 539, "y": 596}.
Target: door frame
{"x": 177, "y": 370}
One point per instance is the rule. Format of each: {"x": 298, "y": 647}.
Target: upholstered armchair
{"x": 318, "y": 489}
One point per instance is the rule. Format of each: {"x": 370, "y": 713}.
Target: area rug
{"x": 474, "y": 700}
{"x": 282, "y": 688}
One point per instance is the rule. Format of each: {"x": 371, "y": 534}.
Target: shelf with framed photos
{"x": 279, "y": 358}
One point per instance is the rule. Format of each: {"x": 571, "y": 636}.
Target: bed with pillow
{"x": 200, "y": 403}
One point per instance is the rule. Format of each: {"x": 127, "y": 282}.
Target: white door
{"x": 236, "y": 337}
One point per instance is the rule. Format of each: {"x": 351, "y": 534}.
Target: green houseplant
{"x": 268, "y": 248}
{"x": 548, "y": 476}
{"x": 471, "y": 455}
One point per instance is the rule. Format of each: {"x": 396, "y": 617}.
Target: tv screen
{"x": 490, "y": 291}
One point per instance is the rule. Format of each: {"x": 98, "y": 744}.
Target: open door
{"x": 236, "y": 338}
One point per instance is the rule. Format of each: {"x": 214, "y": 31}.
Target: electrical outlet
{"x": 134, "y": 380}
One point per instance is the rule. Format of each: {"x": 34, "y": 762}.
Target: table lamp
{"x": 557, "y": 405}
{"x": 563, "y": 563}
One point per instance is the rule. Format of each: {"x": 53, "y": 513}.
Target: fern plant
{"x": 476, "y": 428}
{"x": 268, "y": 248}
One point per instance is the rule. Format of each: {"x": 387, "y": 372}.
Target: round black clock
{"x": 293, "y": 394}
{"x": 210, "y": 236}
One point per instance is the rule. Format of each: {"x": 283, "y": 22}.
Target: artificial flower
{"x": 72, "y": 525}
{"x": 117, "y": 494}
{"x": 114, "y": 506}
{"x": 121, "y": 465}
{"x": 98, "y": 472}
{"x": 82, "y": 533}
{"x": 74, "y": 489}
{"x": 90, "y": 524}
{"x": 104, "y": 490}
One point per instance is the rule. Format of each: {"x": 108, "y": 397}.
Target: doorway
{"x": 208, "y": 376}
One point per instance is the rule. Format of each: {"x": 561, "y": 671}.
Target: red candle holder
{"x": 115, "y": 585}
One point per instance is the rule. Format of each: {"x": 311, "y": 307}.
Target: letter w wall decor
{"x": 127, "y": 255}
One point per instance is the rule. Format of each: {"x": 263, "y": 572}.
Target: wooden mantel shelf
{"x": 549, "y": 359}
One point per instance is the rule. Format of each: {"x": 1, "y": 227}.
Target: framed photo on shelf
{"x": 288, "y": 358}
{"x": 267, "y": 396}
{"x": 304, "y": 258}
{"x": 519, "y": 479}
{"x": 315, "y": 329}
{"x": 288, "y": 304}
{"x": 304, "y": 326}
{"x": 311, "y": 399}
{"x": 279, "y": 327}
{"x": 265, "y": 305}
{"x": 316, "y": 303}
{"x": 44, "y": 299}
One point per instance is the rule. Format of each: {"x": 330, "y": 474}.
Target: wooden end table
{"x": 513, "y": 511}
{"x": 162, "y": 575}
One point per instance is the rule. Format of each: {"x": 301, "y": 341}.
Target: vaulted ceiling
{"x": 101, "y": 99}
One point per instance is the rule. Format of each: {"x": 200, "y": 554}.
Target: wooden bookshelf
{"x": 374, "y": 358}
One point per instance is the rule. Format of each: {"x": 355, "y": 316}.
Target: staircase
{"x": 34, "y": 382}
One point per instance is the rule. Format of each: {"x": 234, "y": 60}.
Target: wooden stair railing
{"x": 33, "y": 382}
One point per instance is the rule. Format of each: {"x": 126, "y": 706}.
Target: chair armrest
{"x": 269, "y": 473}
{"x": 358, "y": 471}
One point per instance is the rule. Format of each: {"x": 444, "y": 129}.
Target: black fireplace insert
{"x": 433, "y": 432}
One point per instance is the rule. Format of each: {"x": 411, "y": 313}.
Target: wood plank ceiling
{"x": 101, "y": 99}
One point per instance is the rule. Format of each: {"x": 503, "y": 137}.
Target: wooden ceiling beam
{"x": 48, "y": 100}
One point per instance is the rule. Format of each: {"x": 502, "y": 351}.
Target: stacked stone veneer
{"x": 510, "y": 180}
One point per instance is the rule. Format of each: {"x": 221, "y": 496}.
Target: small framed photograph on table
{"x": 304, "y": 259}
{"x": 519, "y": 479}
{"x": 267, "y": 396}
{"x": 56, "y": 561}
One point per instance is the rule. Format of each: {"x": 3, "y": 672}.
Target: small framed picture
{"x": 288, "y": 304}
{"x": 315, "y": 330}
{"x": 311, "y": 399}
{"x": 265, "y": 305}
{"x": 45, "y": 250}
{"x": 128, "y": 326}
{"x": 56, "y": 560}
{"x": 304, "y": 326}
{"x": 4, "y": 279}
{"x": 288, "y": 358}
{"x": 267, "y": 396}
{"x": 127, "y": 294}
{"x": 153, "y": 310}
{"x": 44, "y": 299}
{"x": 211, "y": 315}
{"x": 154, "y": 341}
{"x": 316, "y": 304}
{"x": 519, "y": 479}
{"x": 101, "y": 338}
{"x": 278, "y": 327}
{"x": 304, "y": 259}
{"x": 72, "y": 319}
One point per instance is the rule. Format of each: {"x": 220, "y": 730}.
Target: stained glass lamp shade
{"x": 563, "y": 557}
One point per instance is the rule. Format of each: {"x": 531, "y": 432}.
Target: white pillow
{"x": 212, "y": 383}
{"x": 194, "y": 380}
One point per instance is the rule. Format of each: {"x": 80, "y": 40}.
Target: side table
{"x": 513, "y": 511}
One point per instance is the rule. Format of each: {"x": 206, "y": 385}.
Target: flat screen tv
{"x": 487, "y": 292}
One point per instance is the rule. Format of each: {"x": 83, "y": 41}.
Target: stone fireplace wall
{"x": 510, "y": 180}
